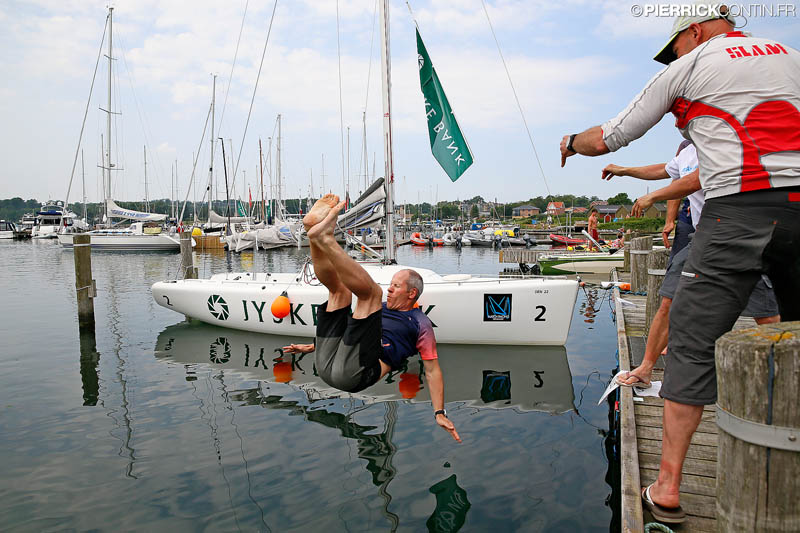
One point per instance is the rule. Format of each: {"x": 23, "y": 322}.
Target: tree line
{"x": 12, "y": 209}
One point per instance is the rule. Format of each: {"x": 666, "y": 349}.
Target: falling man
{"x": 355, "y": 352}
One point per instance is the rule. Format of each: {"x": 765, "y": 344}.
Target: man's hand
{"x": 298, "y": 348}
{"x": 642, "y": 204}
{"x": 668, "y": 227}
{"x": 448, "y": 425}
{"x": 565, "y": 153}
{"x": 612, "y": 170}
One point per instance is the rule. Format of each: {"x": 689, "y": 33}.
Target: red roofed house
{"x": 555, "y": 208}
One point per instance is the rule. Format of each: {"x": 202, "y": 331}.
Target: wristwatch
{"x": 571, "y": 140}
{"x": 439, "y": 412}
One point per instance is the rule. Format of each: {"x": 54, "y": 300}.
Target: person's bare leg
{"x": 656, "y": 342}
{"x": 680, "y": 423}
{"x": 350, "y": 273}
{"x": 339, "y": 295}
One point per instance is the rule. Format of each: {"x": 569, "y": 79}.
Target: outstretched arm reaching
{"x": 677, "y": 189}
{"x": 648, "y": 172}
{"x": 434, "y": 375}
{"x": 299, "y": 348}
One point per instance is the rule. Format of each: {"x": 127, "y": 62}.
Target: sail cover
{"x": 215, "y": 218}
{"x": 116, "y": 211}
{"x": 368, "y": 211}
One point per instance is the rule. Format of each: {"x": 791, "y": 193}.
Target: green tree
{"x": 473, "y": 212}
{"x": 620, "y": 199}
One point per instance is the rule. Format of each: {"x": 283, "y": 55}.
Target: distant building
{"x": 597, "y": 202}
{"x": 524, "y": 211}
{"x": 607, "y": 213}
{"x": 580, "y": 210}
{"x": 555, "y": 208}
{"x": 656, "y": 211}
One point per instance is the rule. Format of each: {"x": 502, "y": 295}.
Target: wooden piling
{"x": 758, "y": 376}
{"x": 84, "y": 284}
{"x": 626, "y": 239}
{"x": 640, "y": 247}
{"x": 187, "y": 261}
{"x": 656, "y": 269}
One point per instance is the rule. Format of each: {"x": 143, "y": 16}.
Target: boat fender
{"x": 280, "y": 306}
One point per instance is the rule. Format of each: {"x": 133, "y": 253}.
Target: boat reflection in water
{"x": 527, "y": 378}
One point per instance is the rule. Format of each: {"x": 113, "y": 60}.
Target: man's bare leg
{"x": 656, "y": 342}
{"x": 680, "y": 423}
{"x": 350, "y": 273}
{"x": 339, "y": 295}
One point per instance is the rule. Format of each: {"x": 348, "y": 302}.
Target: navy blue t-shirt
{"x": 404, "y": 334}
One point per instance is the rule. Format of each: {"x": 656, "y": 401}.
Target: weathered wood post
{"x": 84, "y": 284}
{"x": 758, "y": 458}
{"x": 187, "y": 262}
{"x": 640, "y": 247}
{"x": 656, "y": 269}
{"x": 626, "y": 239}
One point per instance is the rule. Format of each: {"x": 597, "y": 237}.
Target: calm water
{"x": 156, "y": 423}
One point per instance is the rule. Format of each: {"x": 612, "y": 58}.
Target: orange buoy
{"x": 624, "y": 286}
{"x": 281, "y": 306}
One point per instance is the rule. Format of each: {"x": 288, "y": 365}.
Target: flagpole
{"x": 386, "y": 70}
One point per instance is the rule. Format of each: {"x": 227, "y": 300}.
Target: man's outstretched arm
{"x": 677, "y": 189}
{"x": 589, "y": 142}
{"x": 299, "y": 348}
{"x": 433, "y": 373}
{"x": 648, "y": 172}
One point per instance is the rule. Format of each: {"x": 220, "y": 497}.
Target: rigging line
{"x": 233, "y": 65}
{"x": 341, "y": 112}
{"x": 516, "y": 98}
{"x": 253, "y": 99}
{"x": 146, "y": 131}
{"x": 369, "y": 75}
{"x": 86, "y": 112}
{"x": 194, "y": 166}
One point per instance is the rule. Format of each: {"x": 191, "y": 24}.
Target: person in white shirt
{"x": 762, "y": 305}
{"x": 738, "y": 99}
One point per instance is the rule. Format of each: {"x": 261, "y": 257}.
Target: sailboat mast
{"x": 386, "y": 71}
{"x": 211, "y": 164}
{"x": 261, "y": 168}
{"x": 146, "y": 196}
{"x": 83, "y": 181}
{"x": 278, "y": 170}
{"x": 108, "y": 120}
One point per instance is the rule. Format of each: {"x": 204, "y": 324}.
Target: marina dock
{"x": 641, "y": 432}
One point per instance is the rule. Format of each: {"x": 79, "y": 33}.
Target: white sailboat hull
{"x": 127, "y": 242}
{"x": 464, "y": 309}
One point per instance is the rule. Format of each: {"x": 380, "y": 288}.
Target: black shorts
{"x": 347, "y": 349}
{"x": 739, "y": 237}
{"x": 762, "y": 302}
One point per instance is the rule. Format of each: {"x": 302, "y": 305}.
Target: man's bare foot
{"x": 319, "y": 210}
{"x": 324, "y": 228}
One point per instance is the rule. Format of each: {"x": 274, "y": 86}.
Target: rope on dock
{"x": 655, "y": 526}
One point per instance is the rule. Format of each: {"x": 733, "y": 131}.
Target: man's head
{"x": 404, "y": 290}
{"x": 704, "y": 21}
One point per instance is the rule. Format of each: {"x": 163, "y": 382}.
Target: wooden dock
{"x": 641, "y": 433}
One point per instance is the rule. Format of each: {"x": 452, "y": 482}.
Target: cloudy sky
{"x": 573, "y": 63}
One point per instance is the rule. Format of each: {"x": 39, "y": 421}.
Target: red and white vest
{"x": 738, "y": 99}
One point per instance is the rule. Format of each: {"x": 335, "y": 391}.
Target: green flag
{"x": 448, "y": 145}
{"x": 240, "y": 208}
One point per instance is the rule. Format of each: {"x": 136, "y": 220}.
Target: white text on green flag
{"x": 448, "y": 144}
